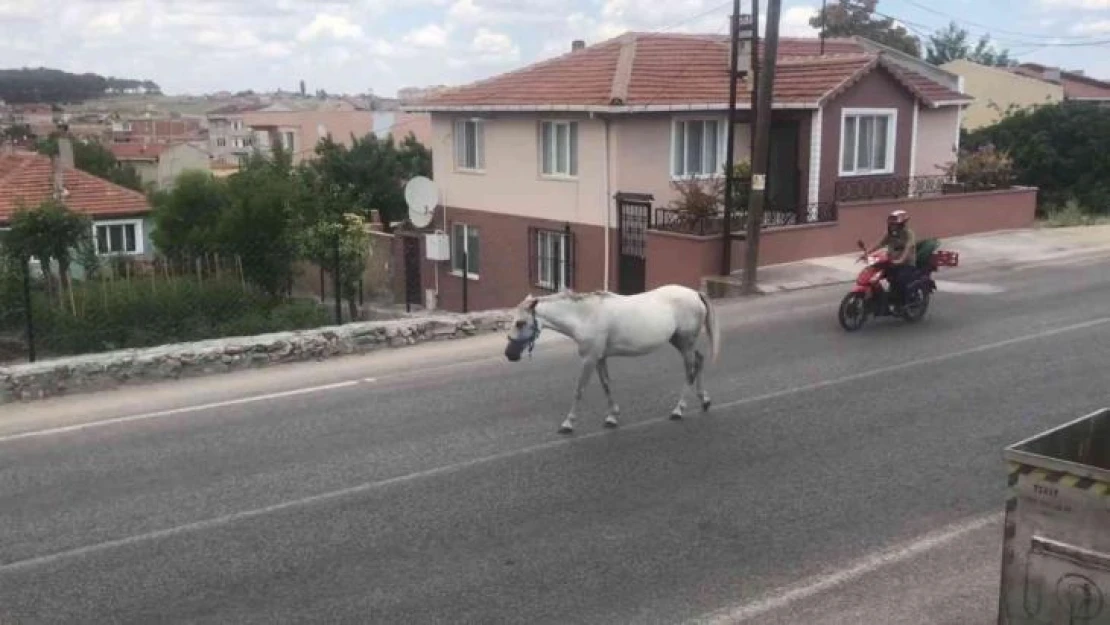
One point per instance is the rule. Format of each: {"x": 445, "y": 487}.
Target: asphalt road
{"x": 429, "y": 491}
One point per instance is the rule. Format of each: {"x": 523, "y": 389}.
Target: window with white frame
{"x": 867, "y": 142}
{"x": 469, "y": 144}
{"x": 464, "y": 239}
{"x": 559, "y": 148}
{"x": 221, "y": 142}
{"x": 288, "y": 141}
{"x": 696, "y": 147}
{"x": 119, "y": 237}
{"x": 552, "y": 254}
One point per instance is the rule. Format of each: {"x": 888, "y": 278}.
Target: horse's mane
{"x": 575, "y": 296}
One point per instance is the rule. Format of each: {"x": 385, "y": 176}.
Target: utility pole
{"x": 762, "y": 141}
{"x": 753, "y": 80}
{"x": 730, "y": 140}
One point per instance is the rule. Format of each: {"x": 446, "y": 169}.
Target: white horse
{"x": 605, "y": 324}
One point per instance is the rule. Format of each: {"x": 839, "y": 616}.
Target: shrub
{"x": 982, "y": 169}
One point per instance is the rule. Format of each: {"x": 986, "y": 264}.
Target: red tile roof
{"x": 138, "y": 151}
{"x": 29, "y": 177}
{"x": 1075, "y": 85}
{"x": 652, "y": 69}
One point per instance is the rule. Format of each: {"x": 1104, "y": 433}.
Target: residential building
{"x": 524, "y": 158}
{"x": 230, "y": 138}
{"x": 300, "y": 131}
{"x": 157, "y": 131}
{"x": 159, "y": 164}
{"x": 1076, "y": 85}
{"x": 121, "y": 216}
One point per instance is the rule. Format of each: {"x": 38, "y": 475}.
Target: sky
{"x": 356, "y": 46}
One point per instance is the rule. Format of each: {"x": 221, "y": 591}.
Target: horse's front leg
{"x": 589, "y": 363}
{"x": 614, "y": 409}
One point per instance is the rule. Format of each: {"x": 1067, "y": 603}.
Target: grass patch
{"x": 1071, "y": 215}
{"x": 121, "y": 314}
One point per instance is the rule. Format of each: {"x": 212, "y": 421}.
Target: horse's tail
{"x": 712, "y": 327}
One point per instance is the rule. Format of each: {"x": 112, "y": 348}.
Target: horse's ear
{"x": 532, "y": 304}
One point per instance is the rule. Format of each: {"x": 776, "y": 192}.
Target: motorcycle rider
{"x": 901, "y": 245}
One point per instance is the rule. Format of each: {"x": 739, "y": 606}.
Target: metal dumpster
{"x": 1056, "y": 542}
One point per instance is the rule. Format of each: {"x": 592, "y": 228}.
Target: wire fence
{"x": 135, "y": 301}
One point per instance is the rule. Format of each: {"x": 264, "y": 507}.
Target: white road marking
{"x": 176, "y": 411}
{"x": 972, "y": 288}
{"x": 459, "y": 466}
{"x": 797, "y": 592}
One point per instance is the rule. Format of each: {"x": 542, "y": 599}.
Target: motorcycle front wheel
{"x": 853, "y": 312}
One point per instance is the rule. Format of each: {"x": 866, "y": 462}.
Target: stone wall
{"x": 137, "y": 366}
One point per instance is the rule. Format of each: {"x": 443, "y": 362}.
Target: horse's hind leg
{"x": 588, "y": 365}
{"x": 614, "y": 409}
{"x": 689, "y": 362}
{"x": 699, "y": 369}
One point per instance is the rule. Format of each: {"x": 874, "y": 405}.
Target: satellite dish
{"x": 422, "y": 197}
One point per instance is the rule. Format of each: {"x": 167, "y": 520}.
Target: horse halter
{"x": 530, "y": 342}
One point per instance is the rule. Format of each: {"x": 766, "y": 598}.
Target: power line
{"x": 1011, "y": 42}
{"x": 961, "y": 21}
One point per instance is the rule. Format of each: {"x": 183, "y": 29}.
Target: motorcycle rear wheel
{"x": 853, "y": 312}
{"x": 917, "y": 304}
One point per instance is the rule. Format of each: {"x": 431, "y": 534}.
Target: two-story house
{"x": 230, "y": 137}
{"x": 521, "y": 157}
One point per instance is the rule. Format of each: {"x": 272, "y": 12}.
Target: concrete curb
{"x": 109, "y": 370}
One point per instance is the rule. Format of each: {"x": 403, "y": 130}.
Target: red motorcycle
{"x": 871, "y": 295}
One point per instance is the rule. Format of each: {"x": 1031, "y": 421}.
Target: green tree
{"x": 258, "y": 224}
{"x": 370, "y": 174}
{"x": 346, "y": 242}
{"x": 1059, "y": 148}
{"x": 94, "y": 158}
{"x": 845, "y": 18}
{"x": 187, "y": 218}
{"x": 951, "y": 43}
{"x": 18, "y": 132}
{"x": 51, "y": 233}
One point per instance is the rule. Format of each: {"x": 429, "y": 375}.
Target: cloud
{"x": 1084, "y": 5}
{"x": 794, "y": 22}
{"x": 486, "y": 12}
{"x": 429, "y": 36}
{"x": 1100, "y": 27}
{"x": 18, "y": 10}
{"x": 494, "y": 47}
{"x": 329, "y": 26}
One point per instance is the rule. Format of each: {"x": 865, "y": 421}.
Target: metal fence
{"x": 134, "y": 301}
{"x": 686, "y": 222}
{"x": 889, "y": 187}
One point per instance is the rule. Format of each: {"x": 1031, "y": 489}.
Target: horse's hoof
{"x": 705, "y": 405}
{"x": 610, "y": 424}
{"x": 676, "y": 416}
{"x": 566, "y": 430}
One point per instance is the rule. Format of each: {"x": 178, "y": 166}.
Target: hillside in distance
{"x": 54, "y": 86}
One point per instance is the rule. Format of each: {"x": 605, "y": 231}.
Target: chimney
{"x": 577, "y": 44}
{"x": 63, "y": 160}
{"x": 744, "y": 41}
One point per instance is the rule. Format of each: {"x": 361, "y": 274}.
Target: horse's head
{"x": 525, "y": 329}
